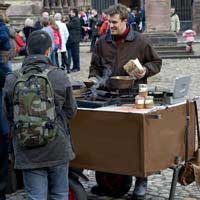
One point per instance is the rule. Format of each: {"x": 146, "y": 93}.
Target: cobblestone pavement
{"x": 159, "y": 184}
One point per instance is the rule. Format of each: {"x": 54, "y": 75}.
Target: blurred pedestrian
{"x": 38, "y": 25}
{"x": 105, "y": 25}
{"x": 189, "y": 36}
{"x": 49, "y": 30}
{"x": 93, "y": 27}
{"x": 28, "y": 27}
{"x": 20, "y": 44}
{"x": 57, "y": 41}
{"x": 175, "y": 22}
{"x": 4, "y": 57}
{"x": 64, "y": 35}
{"x": 73, "y": 43}
{"x": 13, "y": 50}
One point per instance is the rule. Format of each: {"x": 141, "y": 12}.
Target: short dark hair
{"x": 118, "y": 9}
{"x": 75, "y": 11}
{"x": 38, "y": 42}
{"x": 44, "y": 22}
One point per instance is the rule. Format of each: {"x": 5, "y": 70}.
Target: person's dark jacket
{"x": 4, "y": 37}
{"x": 93, "y": 22}
{"x": 38, "y": 25}
{"x": 2, "y": 78}
{"x": 74, "y": 28}
{"x": 107, "y": 55}
{"x": 27, "y": 30}
{"x": 13, "y": 49}
{"x": 59, "y": 151}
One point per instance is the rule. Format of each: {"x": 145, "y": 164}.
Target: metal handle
{"x": 154, "y": 116}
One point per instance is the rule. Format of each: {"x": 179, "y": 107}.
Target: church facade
{"x": 188, "y": 10}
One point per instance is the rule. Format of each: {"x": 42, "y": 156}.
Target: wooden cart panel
{"x": 129, "y": 143}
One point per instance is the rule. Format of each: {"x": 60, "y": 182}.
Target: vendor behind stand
{"x": 117, "y": 48}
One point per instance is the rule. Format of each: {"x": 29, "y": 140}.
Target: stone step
{"x": 178, "y": 47}
{"x": 182, "y": 52}
{"x": 178, "y": 56}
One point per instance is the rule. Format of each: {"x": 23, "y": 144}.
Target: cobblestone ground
{"x": 158, "y": 185}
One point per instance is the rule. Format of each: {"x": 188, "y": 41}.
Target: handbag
{"x": 186, "y": 174}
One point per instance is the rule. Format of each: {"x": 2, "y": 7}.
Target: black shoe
{"x": 2, "y": 197}
{"x": 140, "y": 189}
{"x": 97, "y": 190}
{"x": 75, "y": 70}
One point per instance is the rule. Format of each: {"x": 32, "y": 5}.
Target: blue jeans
{"x": 49, "y": 181}
{"x": 53, "y": 56}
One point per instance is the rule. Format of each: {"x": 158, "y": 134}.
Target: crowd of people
{"x": 67, "y": 31}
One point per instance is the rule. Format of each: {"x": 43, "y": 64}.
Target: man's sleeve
{"x": 63, "y": 94}
{"x": 8, "y": 96}
{"x": 152, "y": 61}
{"x": 95, "y": 70}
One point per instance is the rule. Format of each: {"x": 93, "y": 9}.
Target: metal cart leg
{"x": 174, "y": 181}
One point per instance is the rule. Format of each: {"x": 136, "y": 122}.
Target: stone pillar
{"x": 71, "y": 3}
{"x": 59, "y": 4}
{"x": 196, "y": 16}
{"x": 53, "y": 3}
{"x": 46, "y": 4}
{"x": 157, "y": 15}
{"x": 64, "y": 3}
{"x": 75, "y": 3}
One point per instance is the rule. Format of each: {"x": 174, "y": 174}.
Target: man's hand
{"x": 140, "y": 74}
{"x": 131, "y": 68}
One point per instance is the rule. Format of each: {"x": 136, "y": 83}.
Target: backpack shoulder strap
{"x": 33, "y": 67}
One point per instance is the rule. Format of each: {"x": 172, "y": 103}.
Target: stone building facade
{"x": 23, "y": 8}
{"x": 35, "y": 7}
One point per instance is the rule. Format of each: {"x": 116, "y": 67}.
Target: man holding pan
{"x": 124, "y": 52}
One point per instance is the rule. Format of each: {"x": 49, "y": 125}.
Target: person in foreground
{"x": 39, "y": 103}
{"x": 117, "y": 49}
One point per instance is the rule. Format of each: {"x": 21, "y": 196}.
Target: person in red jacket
{"x": 57, "y": 41}
{"x": 105, "y": 26}
{"x": 20, "y": 45}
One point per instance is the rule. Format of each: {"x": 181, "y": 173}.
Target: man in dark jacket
{"x": 45, "y": 168}
{"x": 4, "y": 42}
{"x": 4, "y": 56}
{"x": 3, "y": 143}
{"x": 114, "y": 50}
{"x": 93, "y": 23}
{"x": 74, "y": 28}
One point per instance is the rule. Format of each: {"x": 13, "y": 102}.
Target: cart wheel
{"x": 113, "y": 185}
{"x": 76, "y": 190}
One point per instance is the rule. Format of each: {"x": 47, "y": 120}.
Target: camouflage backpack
{"x": 34, "y": 108}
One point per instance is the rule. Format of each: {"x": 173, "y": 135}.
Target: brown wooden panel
{"x": 108, "y": 141}
{"x": 131, "y": 144}
{"x": 165, "y": 138}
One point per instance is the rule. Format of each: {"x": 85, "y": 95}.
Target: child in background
{"x": 189, "y": 36}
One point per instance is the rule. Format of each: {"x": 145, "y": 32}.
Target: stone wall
{"x": 24, "y": 7}
{"x": 157, "y": 15}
